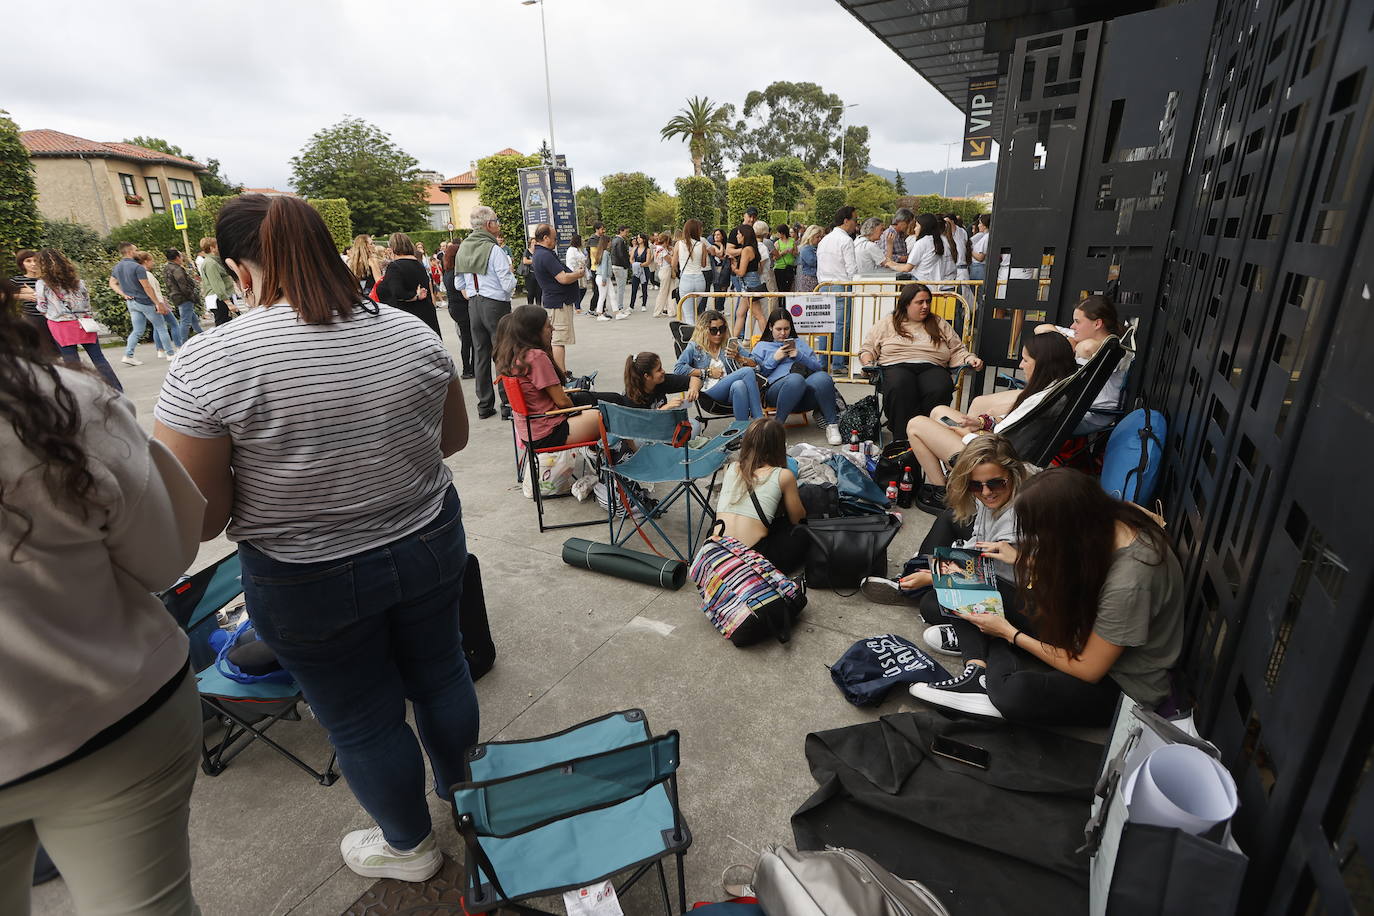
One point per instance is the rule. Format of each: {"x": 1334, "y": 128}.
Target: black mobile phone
{"x": 968, "y": 754}
{"x": 949, "y": 421}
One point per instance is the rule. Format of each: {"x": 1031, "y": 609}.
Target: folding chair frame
{"x": 215, "y": 758}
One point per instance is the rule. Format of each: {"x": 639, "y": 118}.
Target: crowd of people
{"x": 266, "y": 429}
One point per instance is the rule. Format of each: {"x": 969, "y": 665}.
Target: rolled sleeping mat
{"x": 625, "y": 564}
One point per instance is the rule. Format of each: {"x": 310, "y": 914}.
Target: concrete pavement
{"x": 571, "y": 645}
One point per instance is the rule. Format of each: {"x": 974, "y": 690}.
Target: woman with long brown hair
{"x": 756, "y": 490}
{"x": 364, "y": 263}
{"x": 1104, "y": 593}
{"x": 916, "y": 349}
{"x": 524, "y": 352}
{"x": 62, "y": 298}
{"x": 101, "y": 728}
{"x": 648, "y": 386}
{"x": 316, "y": 424}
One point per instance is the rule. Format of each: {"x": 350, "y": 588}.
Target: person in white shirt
{"x": 868, "y": 250}
{"x": 691, "y": 254}
{"x": 929, "y": 255}
{"x": 978, "y": 248}
{"x": 836, "y": 262}
{"x": 956, "y": 232}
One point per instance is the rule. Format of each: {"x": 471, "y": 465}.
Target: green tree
{"x": 899, "y": 184}
{"x": 790, "y": 179}
{"x": 20, "y": 226}
{"x": 713, "y": 167}
{"x": 871, "y": 195}
{"x": 498, "y": 187}
{"x": 76, "y": 240}
{"x": 828, "y": 200}
{"x": 588, "y": 207}
{"x": 358, "y": 162}
{"x": 696, "y": 199}
{"x": 699, "y": 123}
{"x": 623, "y": 200}
{"x": 213, "y": 182}
{"x": 796, "y": 119}
{"x": 660, "y": 212}
{"x": 749, "y": 191}
{"x": 855, "y": 149}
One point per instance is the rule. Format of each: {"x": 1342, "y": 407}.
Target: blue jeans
{"x": 692, "y": 283}
{"x": 143, "y": 315}
{"x": 363, "y": 634}
{"x": 187, "y": 321}
{"x": 741, "y": 391}
{"x": 98, "y": 360}
{"x": 792, "y": 393}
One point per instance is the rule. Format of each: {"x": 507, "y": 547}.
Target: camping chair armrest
{"x": 563, "y": 411}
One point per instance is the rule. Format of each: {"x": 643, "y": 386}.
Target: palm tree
{"x": 700, "y": 122}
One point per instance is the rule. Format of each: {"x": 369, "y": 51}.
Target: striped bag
{"x": 743, "y": 595}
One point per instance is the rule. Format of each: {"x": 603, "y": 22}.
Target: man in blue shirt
{"x": 130, "y": 279}
{"x": 560, "y": 292}
{"x": 482, "y": 272}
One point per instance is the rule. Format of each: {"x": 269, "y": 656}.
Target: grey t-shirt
{"x": 127, "y": 273}
{"x": 1141, "y": 609}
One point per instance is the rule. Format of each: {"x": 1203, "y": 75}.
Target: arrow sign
{"x": 978, "y": 129}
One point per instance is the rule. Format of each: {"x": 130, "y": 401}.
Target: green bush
{"x": 623, "y": 200}
{"x": 696, "y": 199}
{"x": 934, "y": 203}
{"x": 209, "y": 207}
{"x": 430, "y": 238}
{"x": 155, "y": 233}
{"x": 107, "y": 305}
{"x": 20, "y": 224}
{"x": 745, "y": 192}
{"x": 799, "y": 216}
{"x": 660, "y": 212}
{"x": 828, "y": 201}
{"x": 498, "y": 187}
{"x": 76, "y": 240}
{"x": 338, "y": 219}
{"x": 776, "y": 218}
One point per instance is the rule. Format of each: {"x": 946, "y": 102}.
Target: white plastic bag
{"x": 557, "y": 472}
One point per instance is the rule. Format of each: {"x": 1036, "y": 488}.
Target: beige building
{"x": 462, "y": 192}
{"x": 105, "y": 185}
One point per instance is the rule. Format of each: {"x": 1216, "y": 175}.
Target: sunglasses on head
{"x": 996, "y": 485}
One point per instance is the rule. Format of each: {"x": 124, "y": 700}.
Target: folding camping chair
{"x": 708, "y": 408}
{"x": 529, "y": 463}
{"x": 246, "y": 711}
{"x": 556, "y": 813}
{"x": 663, "y": 456}
{"x": 875, "y": 373}
{"x": 1039, "y": 435}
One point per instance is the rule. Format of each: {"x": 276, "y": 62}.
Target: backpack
{"x": 836, "y": 882}
{"x": 242, "y": 657}
{"x": 1135, "y": 451}
{"x": 743, "y": 595}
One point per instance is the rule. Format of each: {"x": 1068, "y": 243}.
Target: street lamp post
{"x": 548, "y": 86}
{"x": 948, "y": 146}
{"x": 841, "y": 110}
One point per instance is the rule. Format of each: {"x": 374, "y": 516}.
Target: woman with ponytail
{"x": 647, "y": 386}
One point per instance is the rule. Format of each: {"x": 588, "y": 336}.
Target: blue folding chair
{"x": 552, "y": 814}
{"x": 662, "y": 456}
{"x": 246, "y": 711}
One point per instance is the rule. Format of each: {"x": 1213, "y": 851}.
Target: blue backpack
{"x": 1135, "y": 451}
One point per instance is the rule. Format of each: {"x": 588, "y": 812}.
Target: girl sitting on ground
{"x": 648, "y": 387}
{"x": 982, "y": 485}
{"x": 727, "y": 375}
{"x": 797, "y": 379}
{"x": 1045, "y": 358}
{"x": 758, "y": 490}
{"x": 1105, "y": 596}
{"x": 524, "y": 352}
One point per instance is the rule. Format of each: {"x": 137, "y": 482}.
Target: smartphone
{"x": 968, "y": 754}
{"x": 949, "y": 421}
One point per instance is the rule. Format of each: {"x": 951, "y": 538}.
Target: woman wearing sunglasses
{"x": 727, "y": 375}
{"x": 981, "y": 487}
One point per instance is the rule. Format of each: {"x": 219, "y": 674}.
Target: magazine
{"x": 972, "y": 589}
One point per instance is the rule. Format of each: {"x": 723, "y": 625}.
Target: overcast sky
{"x": 248, "y": 82}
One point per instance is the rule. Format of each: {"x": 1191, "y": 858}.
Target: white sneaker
{"x": 942, "y": 638}
{"x": 366, "y": 853}
{"x": 602, "y": 316}
{"x": 966, "y": 693}
{"x": 130, "y": 361}
{"x": 832, "y": 434}
{"x": 621, "y": 316}
{"x": 643, "y": 308}
{"x": 161, "y": 355}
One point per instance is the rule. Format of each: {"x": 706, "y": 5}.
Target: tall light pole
{"x": 841, "y": 109}
{"x": 948, "y": 146}
{"x": 548, "y": 86}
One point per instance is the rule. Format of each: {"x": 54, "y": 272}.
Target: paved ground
{"x": 572, "y": 645}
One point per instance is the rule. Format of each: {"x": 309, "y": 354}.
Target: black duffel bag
{"x": 846, "y": 550}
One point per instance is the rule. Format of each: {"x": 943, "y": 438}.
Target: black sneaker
{"x": 484, "y": 412}
{"x": 931, "y": 499}
{"x": 967, "y": 693}
{"x": 943, "y": 638}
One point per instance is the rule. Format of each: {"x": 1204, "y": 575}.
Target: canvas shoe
{"x": 130, "y": 361}
{"x": 931, "y": 499}
{"x": 602, "y": 316}
{"x": 942, "y": 638}
{"x": 161, "y": 354}
{"x": 366, "y": 853}
{"x": 832, "y": 434}
{"x": 882, "y": 591}
{"x": 967, "y": 693}
{"x": 621, "y": 316}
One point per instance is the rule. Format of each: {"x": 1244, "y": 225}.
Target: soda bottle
{"x": 892, "y": 490}
{"x": 905, "y": 488}
{"x": 853, "y": 440}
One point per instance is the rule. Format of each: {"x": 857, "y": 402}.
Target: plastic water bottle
{"x": 905, "y": 488}
{"x": 854, "y": 440}
{"x": 892, "y": 490}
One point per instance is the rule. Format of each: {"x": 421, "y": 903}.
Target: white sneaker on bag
{"x": 366, "y": 853}
{"x": 832, "y": 434}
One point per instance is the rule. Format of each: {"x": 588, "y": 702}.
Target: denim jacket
{"x": 806, "y": 260}
{"x": 695, "y": 357}
{"x": 767, "y": 355}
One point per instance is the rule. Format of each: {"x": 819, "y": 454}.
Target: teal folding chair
{"x": 663, "y": 456}
{"x": 553, "y": 814}
{"x": 246, "y": 711}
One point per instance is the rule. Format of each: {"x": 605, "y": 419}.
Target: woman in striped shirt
{"x": 316, "y": 426}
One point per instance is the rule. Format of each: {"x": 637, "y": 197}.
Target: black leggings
{"x": 458, "y": 311}
{"x": 596, "y": 293}
{"x": 913, "y": 390}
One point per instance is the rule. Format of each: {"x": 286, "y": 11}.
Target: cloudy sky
{"x": 248, "y": 82}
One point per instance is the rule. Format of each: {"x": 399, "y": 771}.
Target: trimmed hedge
{"x": 800, "y": 216}
{"x": 498, "y": 187}
{"x": 828, "y": 201}
{"x": 623, "y": 198}
{"x": 155, "y": 233}
{"x": 776, "y": 218}
{"x": 696, "y": 199}
{"x": 338, "y": 219}
{"x": 968, "y": 210}
{"x": 107, "y": 305}
{"x": 745, "y": 192}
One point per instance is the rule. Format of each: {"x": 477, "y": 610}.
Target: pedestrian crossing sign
{"x": 178, "y": 214}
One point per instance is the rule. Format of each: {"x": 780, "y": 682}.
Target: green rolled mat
{"x": 627, "y": 564}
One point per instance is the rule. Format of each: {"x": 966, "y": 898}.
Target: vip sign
{"x": 982, "y": 95}
{"x": 813, "y": 313}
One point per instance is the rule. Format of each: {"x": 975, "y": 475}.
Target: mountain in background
{"x": 980, "y": 179}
